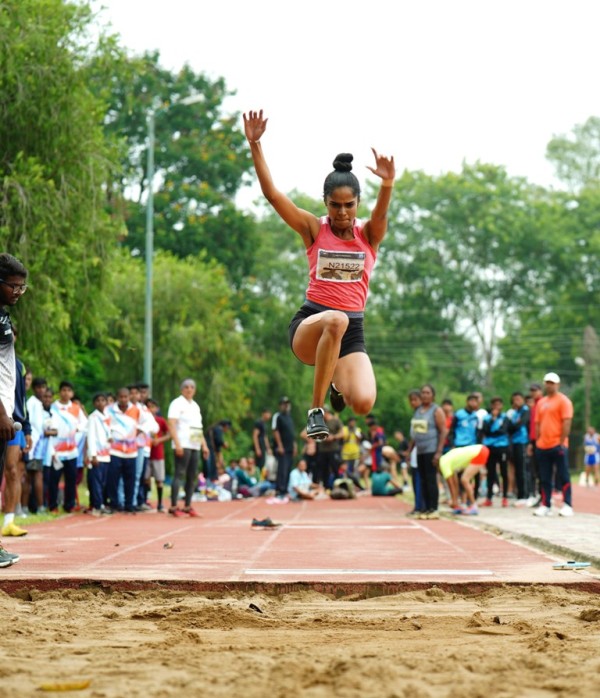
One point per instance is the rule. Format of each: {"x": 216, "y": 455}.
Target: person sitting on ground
{"x": 248, "y": 485}
{"x": 300, "y": 484}
{"x": 383, "y": 484}
{"x": 469, "y": 460}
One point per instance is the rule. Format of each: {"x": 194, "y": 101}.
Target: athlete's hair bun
{"x": 343, "y": 162}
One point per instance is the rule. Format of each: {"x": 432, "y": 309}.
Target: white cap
{"x": 551, "y": 378}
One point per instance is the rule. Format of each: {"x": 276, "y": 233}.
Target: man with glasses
{"x": 12, "y": 286}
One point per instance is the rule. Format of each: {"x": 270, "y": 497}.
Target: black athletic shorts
{"x": 354, "y": 336}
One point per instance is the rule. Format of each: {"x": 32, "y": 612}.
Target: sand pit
{"x": 529, "y": 642}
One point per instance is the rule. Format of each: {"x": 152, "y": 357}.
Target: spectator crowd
{"x": 465, "y": 456}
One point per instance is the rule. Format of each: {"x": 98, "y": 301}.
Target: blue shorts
{"x": 19, "y": 440}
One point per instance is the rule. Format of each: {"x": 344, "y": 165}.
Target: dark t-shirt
{"x": 284, "y": 424}
{"x": 262, "y": 434}
{"x": 215, "y": 438}
{"x": 335, "y": 445}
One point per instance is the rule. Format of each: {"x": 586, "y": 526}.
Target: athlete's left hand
{"x": 384, "y": 166}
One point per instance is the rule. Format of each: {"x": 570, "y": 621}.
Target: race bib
{"x": 341, "y": 267}
{"x": 419, "y": 426}
{"x": 196, "y": 435}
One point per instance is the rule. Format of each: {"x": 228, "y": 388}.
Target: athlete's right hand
{"x": 254, "y": 125}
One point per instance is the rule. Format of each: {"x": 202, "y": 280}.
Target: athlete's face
{"x": 341, "y": 208}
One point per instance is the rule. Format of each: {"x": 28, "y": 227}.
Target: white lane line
{"x": 355, "y": 527}
{"x": 128, "y": 548}
{"x": 342, "y": 572}
{"x": 268, "y": 542}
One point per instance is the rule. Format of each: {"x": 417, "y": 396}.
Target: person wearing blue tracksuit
{"x": 495, "y": 437}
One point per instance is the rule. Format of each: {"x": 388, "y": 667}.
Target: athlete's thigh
{"x": 308, "y": 334}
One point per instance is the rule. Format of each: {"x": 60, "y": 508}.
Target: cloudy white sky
{"x": 433, "y": 82}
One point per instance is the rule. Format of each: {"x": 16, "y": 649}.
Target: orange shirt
{"x": 550, "y": 413}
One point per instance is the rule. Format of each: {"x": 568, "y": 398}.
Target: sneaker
{"x": 425, "y": 515}
{"x": 178, "y": 513}
{"x": 143, "y": 507}
{"x": 336, "y": 399}
{"x": 160, "y": 509}
{"x": 432, "y": 515}
{"x": 566, "y": 510}
{"x": 505, "y": 502}
{"x": 534, "y": 501}
{"x": 315, "y": 426}
{"x": 42, "y": 510}
{"x": 107, "y": 511}
{"x": 458, "y": 510}
{"x": 7, "y": 559}
{"x": 264, "y": 523}
{"x": 471, "y": 511}
{"x": 192, "y": 512}
{"x": 12, "y": 529}
{"x": 542, "y": 511}
{"x": 487, "y": 503}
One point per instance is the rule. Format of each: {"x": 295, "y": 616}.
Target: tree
{"x": 201, "y": 161}
{"x": 576, "y": 157}
{"x": 54, "y": 164}
{"x": 195, "y": 333}
{"x": 458, "y": 255}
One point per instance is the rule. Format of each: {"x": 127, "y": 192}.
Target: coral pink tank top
{"x": 339, "y": 270}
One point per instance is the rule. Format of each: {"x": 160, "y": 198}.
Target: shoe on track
{"x": 315, "y": 426}
{"x": 336, "y": 399}
{"x": 264, "y": 523}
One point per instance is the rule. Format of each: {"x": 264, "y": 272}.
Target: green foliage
{"x": 200, "y": 155}
{"x": 576, "y": 158}
{"x": 54, "y": 163}
{"x": 195, "y": 333}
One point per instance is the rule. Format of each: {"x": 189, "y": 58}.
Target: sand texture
{"x": 529, "y": 641}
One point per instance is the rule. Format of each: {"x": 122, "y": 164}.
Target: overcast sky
{"x": 433, "y": 82}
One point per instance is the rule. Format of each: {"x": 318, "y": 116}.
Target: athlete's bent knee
{"x": 336, "y": 322}
{"x": 362, "y": 404}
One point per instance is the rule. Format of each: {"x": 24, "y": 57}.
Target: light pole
{"x": 148, "y": 329}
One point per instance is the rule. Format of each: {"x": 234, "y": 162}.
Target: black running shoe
{"x": 336, "y": 399}
{"x": 264, "y": 523}
{"x": 315, "y": 426}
